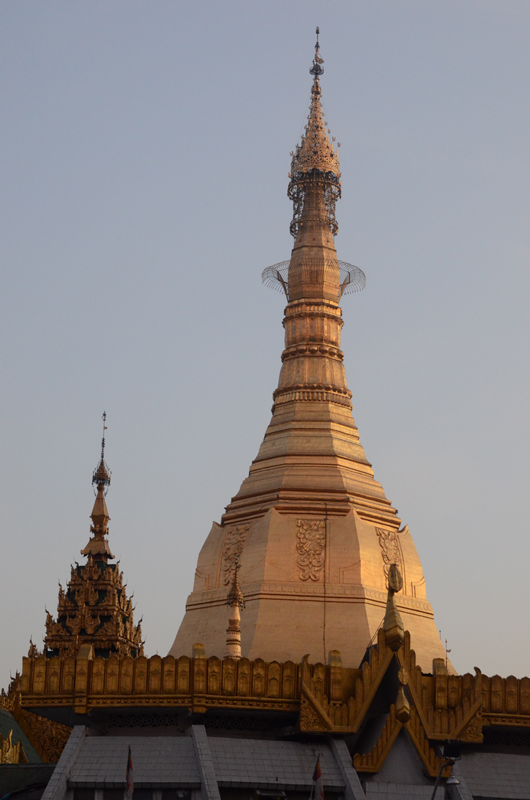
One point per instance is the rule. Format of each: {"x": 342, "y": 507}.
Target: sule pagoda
{"x": 308, "y": 643}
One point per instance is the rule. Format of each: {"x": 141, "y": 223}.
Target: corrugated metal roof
{"x": 158, "y": 761}
{"x": 497, "y": 775}
{"x": 269, "y": 764}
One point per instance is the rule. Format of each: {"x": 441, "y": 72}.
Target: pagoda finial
{"x": 104, "y": 418}
{"x": 101, "y": 475}
{"x": 236, "y": 602}
{"x": 313, "y": 271}
{"x": 98, "y": 547}
{"x": 316, "y": 69}
{"x": 235, "y": 595}
{"x": 392, "y": 623}
{"x": 315, "y": 166}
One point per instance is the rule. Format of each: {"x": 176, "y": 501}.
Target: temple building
{"x": 307, "y": 664}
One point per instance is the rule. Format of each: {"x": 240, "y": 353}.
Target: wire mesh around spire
{"x": 352, "y": 278}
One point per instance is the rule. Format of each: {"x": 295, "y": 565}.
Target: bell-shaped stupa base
{"x": 311, "y": 585}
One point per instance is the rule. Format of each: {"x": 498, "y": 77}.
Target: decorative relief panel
{"x": 390, "y": 550}
{"x": 309, "y": 719}
{"x": 47, "y": 737}
{"x": 311, "y": 548}
{"x": 232, "y": 549}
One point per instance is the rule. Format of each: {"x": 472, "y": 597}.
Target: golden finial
{"x": 315, "y": 158}
{"x": 98, "y": 545}
{"x": 235, "y": 601}
{"x": 316, "y": 69}
{"x": 393, "y": 624}
{"x": 101, "y": 475}
{"x": 104, "y": 418}
{"x": 235, "y": 595}
{"x": 402, "y": 704}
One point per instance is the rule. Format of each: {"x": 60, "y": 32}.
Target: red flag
{"x": 318, "y": 788}
{"x": 130, "y": 782}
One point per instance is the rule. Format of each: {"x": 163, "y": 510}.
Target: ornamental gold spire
{"x": 94, "y": 609}
{"x": 311, "y": 519}
{"x": 315, "y": 152}
{"x": 98, "y": 546}
{"x": 313, "y": 272}
{"x": 235, "y": 602}
{"x": 392, "y": 623}
{"x": 314, "y": 189}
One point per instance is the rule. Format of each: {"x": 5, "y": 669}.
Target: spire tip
{"x": 317, "y": 69}
{"x": 101, "y": 475}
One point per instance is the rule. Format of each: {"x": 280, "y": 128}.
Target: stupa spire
{"x": 317, "y": 531}
{"x": 98, "y": 545}
{"x": 314, "y": 188}
{"x": 235, "y": 602}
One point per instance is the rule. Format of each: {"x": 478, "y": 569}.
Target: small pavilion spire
{"x": 98, "y": 546}
{"x": 235, "y": 601}
{"x": 94, "y": 610}
{"x": 392, "y": 623}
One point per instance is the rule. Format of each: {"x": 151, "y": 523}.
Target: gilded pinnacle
{"x": 236, "y": 602}
{"x": 392, "y": 623}
{"x": 98, "y": 546}
{"x": 101, "y": 475}
{"x": 235, "y": 595}
{"x": 314, "y": 185}
{"x": 315, "y": 151}
{"x": 317, "y": 69}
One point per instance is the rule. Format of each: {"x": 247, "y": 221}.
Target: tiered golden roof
{"x": 94, "y": 609}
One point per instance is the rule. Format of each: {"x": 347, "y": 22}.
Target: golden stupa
{"x": 310, "y": 528}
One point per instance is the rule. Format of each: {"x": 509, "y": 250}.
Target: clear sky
{"x": 145, "y": 150}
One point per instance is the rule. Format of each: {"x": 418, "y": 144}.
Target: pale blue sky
{"x": 145, "y": 151}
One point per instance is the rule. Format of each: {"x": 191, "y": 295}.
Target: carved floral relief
{"x": 232, "y": 549}
{"x": 311, "y": 548}
{"x": 390, "y": 551}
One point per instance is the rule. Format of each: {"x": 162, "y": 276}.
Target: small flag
{"x": 130, "y": 782}
{"x": 318, "y": 787}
